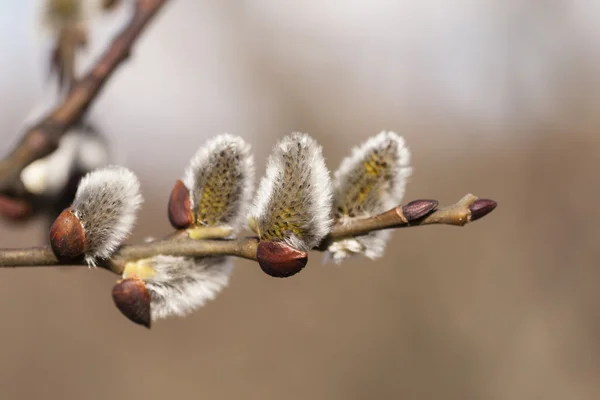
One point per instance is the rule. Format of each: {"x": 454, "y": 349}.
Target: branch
{"x": 467, "y": 209}
{"x": 43, "y": 138}
{"x": 415, "y": 213}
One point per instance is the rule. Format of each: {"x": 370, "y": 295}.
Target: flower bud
{"x": 418, "y": 209}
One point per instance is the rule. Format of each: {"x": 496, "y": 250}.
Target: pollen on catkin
{"x": 106, "y": 204}
{"x": 220, "y": 179}
{"x": 368, "y": 182}
{"x": 180, "y": 285}
{"x": 293, "y": 201}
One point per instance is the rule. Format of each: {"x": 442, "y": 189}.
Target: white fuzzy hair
{"x": 183, "y": 284}
{"x": 293, "y": 201}
{"x": 368, "y": 182}
{"x": 220, "y": 178}
{"x": 106, "y": 203}
{"x": 221, "y": 175}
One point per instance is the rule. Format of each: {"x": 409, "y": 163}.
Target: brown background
{"x": 504, "y": 308}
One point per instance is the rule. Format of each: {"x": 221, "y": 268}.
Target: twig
{"x": 416, "y": 213}
{"x": 43, "y": 138}
{"x": 464, "y": 211}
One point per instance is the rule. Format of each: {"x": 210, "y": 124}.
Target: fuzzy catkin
{"x": 220, "y": 178}
{"x": 106, "y": 204}
{"x": 293, "y": 201}
{"x": 182, "y": 284}
{"x": 368, "y": 182}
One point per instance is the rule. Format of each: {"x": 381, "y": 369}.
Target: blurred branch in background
{"x": 43, "y": 138}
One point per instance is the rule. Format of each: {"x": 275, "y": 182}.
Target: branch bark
{"x": 416, "y": 213}
{"x": 43, "y": 138}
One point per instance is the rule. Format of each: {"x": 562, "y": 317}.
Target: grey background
{"x": 494, "y": 98}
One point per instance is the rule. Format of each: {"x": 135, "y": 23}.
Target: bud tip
{"x": 280, "y": 260}
{"x": 481, "y": 207}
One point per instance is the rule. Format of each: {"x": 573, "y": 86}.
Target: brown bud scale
{"x": 481, "y": 207}
{"x": 418, "y": 209}
{"x": 280, "y": 260}
{"x": 132, "y": 298}
{"x": 67, "y": 236}
{"x": 180, "y": 210}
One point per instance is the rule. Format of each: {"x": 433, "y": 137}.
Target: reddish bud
{"x": 14, "y": 209}
{"x": 180, "y": 210}
{"x": 67, "y": 236}
{"x": 280, "y": 260}
{"x": 418, "y": 209}
{"x": 132, "y": 298}
{"x": 481, "y": 207}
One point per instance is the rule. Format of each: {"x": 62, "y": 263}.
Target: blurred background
{"x": 499, "y": 99}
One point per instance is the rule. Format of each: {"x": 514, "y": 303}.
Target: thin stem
{"x": 457, "y": 214}
{"x": 416, "y": 213}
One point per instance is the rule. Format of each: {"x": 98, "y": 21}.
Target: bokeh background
{"x": 499, "y": 99}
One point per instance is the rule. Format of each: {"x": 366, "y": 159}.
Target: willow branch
{"x": 43, "y": 138}
{"x": 467, "y": 209}
{"x": 416, "y": 213}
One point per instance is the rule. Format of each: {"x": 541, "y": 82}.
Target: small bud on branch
{"x": 481, "y": 207}
{"x": 418, "y": 208}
